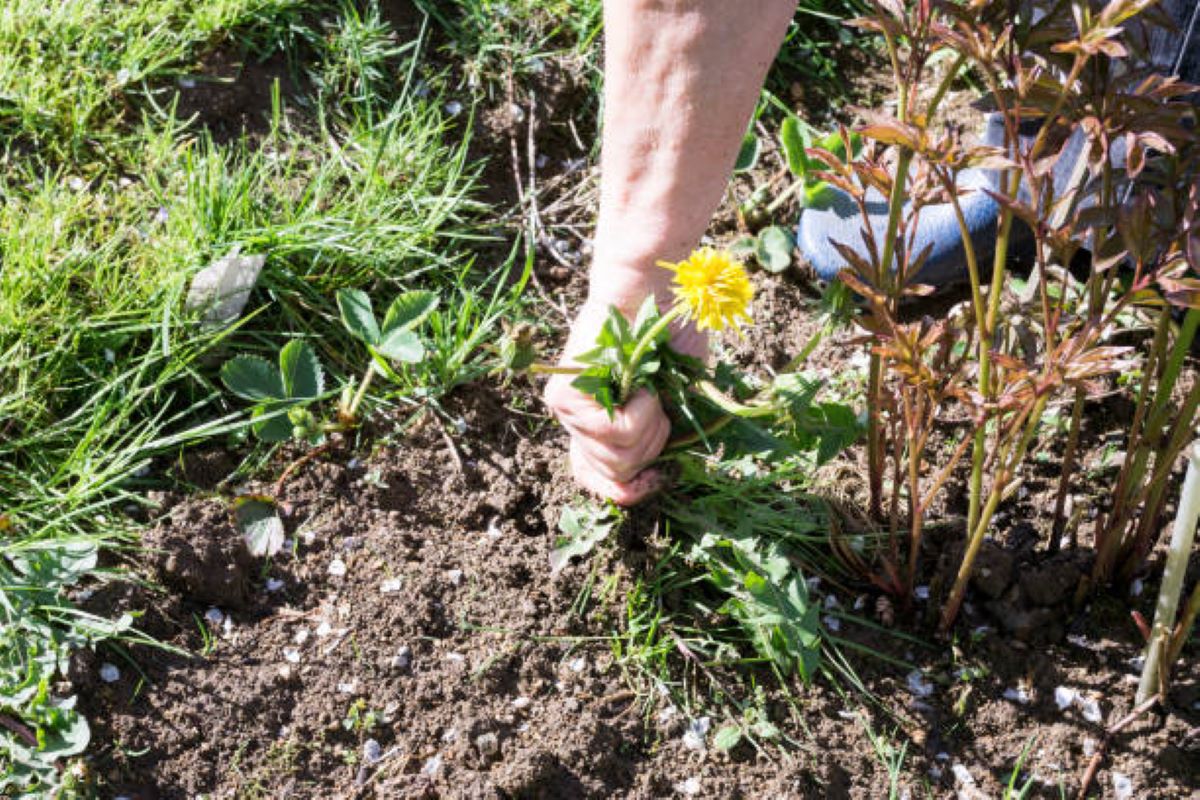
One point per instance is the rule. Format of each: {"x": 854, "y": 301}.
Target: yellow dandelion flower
{"x": 714, "y": 288}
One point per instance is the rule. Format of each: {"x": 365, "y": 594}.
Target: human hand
{"x": 609, "y": 455}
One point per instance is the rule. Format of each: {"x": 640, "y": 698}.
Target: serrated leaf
{"x": 301, "y": 371}
{"x": 794, "y": 144}
{"x": 727, "y": 738}
{"x": 252, "y": 378}
{"x": 774, "y": 249}
{"x": 583, "y": 527}
{"x": 409, "y": 310}
{"x": 402, "y": 344}
{"x": 271, "y": 429}
{"x": 747, "y": 157}
{"x": 357, "y": 316}
{"x": 260, "y": 524}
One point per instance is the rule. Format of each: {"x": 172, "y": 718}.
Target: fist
{"x": 609, "y": 455}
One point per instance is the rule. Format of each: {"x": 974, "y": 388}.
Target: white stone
{"x": 337, "y": 568}
{"x": 831, "y": 622}
{"x": 1018, "y": 695}
{"x": 694, "y": 736}
{"x": 1122, "y": 786}
{"x": 292, "y": 655}
{"x": 432, "y": 765}
{"x": 455, "y": 576}
{"x": 1064, "y": 696}
{"x": 372, "y": 752}
{"x": 301, "y": 636}
{"x": 578, "y": 665}
{"x": 689, "y": 788}
{"x": 521, "y": 702}
{"x": 109, "y": 673}
{"x": 220, "y": 290}
{"x": 390, "y": 586}
{"x": 274, "y": 584}
{"x": 349, "y": 687}
{"x": 215, "y": 616}
{"x": 918, "y": 685}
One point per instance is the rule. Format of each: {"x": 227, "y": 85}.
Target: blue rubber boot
{"x": 836, "y": 218}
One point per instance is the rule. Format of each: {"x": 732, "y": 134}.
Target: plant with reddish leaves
{"x": 1067, "y": 89}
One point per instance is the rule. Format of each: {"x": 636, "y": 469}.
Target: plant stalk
{"x": 1183, "y": 536}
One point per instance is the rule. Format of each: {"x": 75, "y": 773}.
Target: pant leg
{"x": 1178, "y": 50}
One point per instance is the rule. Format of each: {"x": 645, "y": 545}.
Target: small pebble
{"x": 578, "y": 665}
{"x": 1090, "y": 709}
{"x": 831, "y": 622}
{"x": 521, "y": 702}
{"x": 403, "y": 658}
{"x": 432, "y": 765}
{"x": 301, "y": 636}
{"x": 453, "y": 108}
{"x": 455, "y": 576}
{"x": 353, "y": 463}
{"x": 1064, "y": 697}
{"x": 274, "y": 584}
{"x": 962, "y": 775}
{"x": 921, "y": 592}
{"x": 918, "y": 685}
{"x": 337, "y": 568}
{"x": 1018, "y": 695}
{"x": 493, "y": 529}
{"x": 457, "y": 658}
{"x": 1089, "y": 747}
{"x": 488, "y": 744}
{"x": 109, "y": 673}
{"x": 292, "y": 655}
{"x": 450, "y": 736}
{"x": 690, "y": 787}
{"x": 214, "y": 616}
{"x": 372, "y": 752}
{"x": 694, "y": 736}
{"x": 390, "y": 586}
{"x": 324, "y": 629}
{"x": 1122, "y": 786}
{"x": 349, "y": 687}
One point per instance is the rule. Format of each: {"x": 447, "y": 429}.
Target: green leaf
{"x": 774, "y": 249}
{"x": 409, "y": 310}
{"x": 583, "y": 526}
{"x": 748, "y": 155}
{"x": 598, "y": 384}
{"x": 401, "y": 344}
{"x": 647, "y": 315}
{"x": 301, "y": 371}
{"x": 259, "y": 523}
{"x": 727, "y": 738}
{"x": 271, "y": 429}
{"x": 252, "y": 378}
{"x": 794, "y": 143}
{"x": 357, "y": 315}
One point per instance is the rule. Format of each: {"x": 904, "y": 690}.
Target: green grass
{"x": 110, "y": 203}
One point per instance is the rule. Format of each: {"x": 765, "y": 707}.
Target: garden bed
{"x": 416, "y": 622}
{"x": 411, "y": 640}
